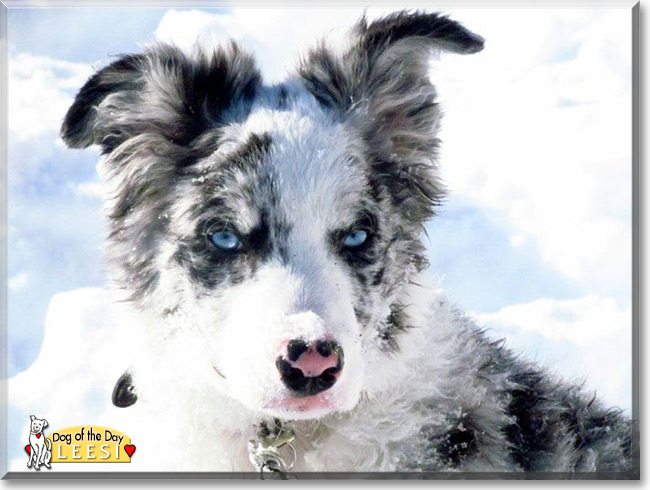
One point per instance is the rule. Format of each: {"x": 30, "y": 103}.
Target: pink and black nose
{"x": 310, "y": 368}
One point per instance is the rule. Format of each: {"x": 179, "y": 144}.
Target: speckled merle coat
{"x": 231, "y": 209}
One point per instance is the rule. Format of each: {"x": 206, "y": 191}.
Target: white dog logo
{"x": 40, "y": 449}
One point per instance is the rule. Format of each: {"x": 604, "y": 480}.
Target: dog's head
{"x": 274, "y": 227}
{"x": 37, "y": 425}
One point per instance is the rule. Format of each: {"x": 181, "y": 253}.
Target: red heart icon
{"x": 28, "y": 448}
{"x": 38, "y": 436}
{"x": 130, "y": 449}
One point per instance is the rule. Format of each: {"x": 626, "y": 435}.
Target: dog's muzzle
{"x": 310, "y": 368}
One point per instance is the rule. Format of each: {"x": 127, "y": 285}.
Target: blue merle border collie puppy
{"x": 269, "y": 241}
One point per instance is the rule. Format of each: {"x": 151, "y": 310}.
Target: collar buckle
{"x": 264, "y": 452}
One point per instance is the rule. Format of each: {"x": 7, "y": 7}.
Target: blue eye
{"x": 355, "y": 238}
{"x": 226, "y": 240}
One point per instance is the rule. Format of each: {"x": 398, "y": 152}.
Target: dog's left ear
{"x": 45, "y": 424}
{"x": 380, "y": 86}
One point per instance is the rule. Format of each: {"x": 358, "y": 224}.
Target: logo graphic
{"x": 39, "y": 447}
{"x": 88, "y": 444}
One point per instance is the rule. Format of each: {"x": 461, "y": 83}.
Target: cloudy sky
{"x": 534, "y": 240}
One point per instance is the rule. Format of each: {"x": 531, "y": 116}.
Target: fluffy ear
{"x": 124, "y": 76}
{"x": 162, "y": 90}
{"x": 32, "y": 417}
{"x": 45, "y": 424}
{"x": 380, "y": 85}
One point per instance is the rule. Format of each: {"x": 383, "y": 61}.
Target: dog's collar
{"x": 264, "y": 452}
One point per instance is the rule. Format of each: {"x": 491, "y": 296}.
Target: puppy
{"x": 269, "y": 239}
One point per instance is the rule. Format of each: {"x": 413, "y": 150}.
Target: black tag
{"x": 124, "y": 391}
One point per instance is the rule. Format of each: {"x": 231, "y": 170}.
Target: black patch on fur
{"x": 447, "y": 449}
{"x": 378, "y": 276}
{"x": 395, "y": 324}
{"x": 251, "y": 154}
{"x": 544, "y": 412}
{"x": 459, "y": 443}
{"x": 592, "y": 425}
{"x": 530, "y": 434}
{"x": 409, "y": 190}
{"x": 361, "y": 315}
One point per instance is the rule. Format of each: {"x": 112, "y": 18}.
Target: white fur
{"x": 213, "y": 429}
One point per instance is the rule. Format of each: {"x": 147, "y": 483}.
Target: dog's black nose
{"x": 310, "y": 368}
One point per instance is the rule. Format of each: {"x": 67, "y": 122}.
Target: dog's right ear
{"x": 162, "y": 91}
{"x": 32, "y": 417}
